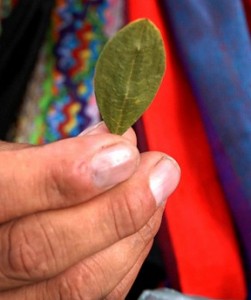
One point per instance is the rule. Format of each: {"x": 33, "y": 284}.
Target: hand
{"x": 78, "y": 216}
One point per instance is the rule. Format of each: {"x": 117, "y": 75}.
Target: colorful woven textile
{"x": 66, "y": 104}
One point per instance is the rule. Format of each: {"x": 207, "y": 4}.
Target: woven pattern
{"x": 60, "y": 100}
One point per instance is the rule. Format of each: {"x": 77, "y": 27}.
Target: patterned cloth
{"x": 60, "y": 100}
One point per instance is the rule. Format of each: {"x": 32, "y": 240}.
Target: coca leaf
{"x": 128, "y": 74}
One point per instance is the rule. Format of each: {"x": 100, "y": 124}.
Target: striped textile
{"x": 205, "y": 256}
{"x": 63, "y": 104}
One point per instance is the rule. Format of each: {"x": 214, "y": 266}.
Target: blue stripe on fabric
{"x": 214, "y": 43}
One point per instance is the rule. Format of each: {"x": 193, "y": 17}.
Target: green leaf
{"x": 128, "y": 74}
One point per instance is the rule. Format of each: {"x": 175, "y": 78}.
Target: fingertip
{"x": 101, "y": 127}
{"x": 164, "y": 178}
{"x": 95, "y": 129}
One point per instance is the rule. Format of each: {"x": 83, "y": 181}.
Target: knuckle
{"x": 122, "y": 216}
{"x": 63, "y": 184}
{"x": 27, "y": 251}
{"x": 58, "y": 182}
{"x": 130, "y": 212}
{"x": 20, "y": 256}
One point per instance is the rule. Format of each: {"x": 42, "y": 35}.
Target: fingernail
{"x": 99, "y": 127}
{"x": 164, "y": 179}
{"x": 113, "y": 165}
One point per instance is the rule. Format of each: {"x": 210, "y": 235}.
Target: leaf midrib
{"x": 127, "y": 91}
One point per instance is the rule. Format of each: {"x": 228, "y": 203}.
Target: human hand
{"x": 78, "y": 216}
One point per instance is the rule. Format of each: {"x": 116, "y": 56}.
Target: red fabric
{"x": 197, "y": 217}
{"x": 14, "y": 2}
{"x": 247, "y": 6}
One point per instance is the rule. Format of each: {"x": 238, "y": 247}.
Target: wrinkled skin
{"x": 78, "y": 216}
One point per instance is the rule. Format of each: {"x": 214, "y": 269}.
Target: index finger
{"x": 64, "y": 173}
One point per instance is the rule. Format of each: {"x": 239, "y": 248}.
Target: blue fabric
{"x": 213, "y": 41}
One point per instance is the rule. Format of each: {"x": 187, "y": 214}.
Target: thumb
{"x": 62, "y": 174}
{"x": 12, "y": 146}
